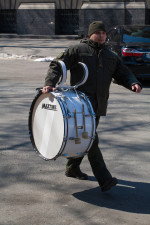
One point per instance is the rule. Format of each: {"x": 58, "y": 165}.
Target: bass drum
{"x": 61, "y": 123}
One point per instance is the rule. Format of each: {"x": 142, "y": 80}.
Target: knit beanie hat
{"x": 96, "y": 26}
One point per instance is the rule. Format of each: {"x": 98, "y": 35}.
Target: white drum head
{"x": 47, "y": 126}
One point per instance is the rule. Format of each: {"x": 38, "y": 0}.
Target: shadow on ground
{"x": 127, "y": 196}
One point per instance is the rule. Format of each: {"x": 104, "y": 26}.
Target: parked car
{"x": 132, "y": 44}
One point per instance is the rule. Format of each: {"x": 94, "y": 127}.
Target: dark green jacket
{"x": 103, "y": 65}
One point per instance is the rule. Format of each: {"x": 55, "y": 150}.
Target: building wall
{"x": 37, "y": 19}
{"x": 113, "y": 13}
{"x": 61, "y": 4}
{"x": 49, "y": 17}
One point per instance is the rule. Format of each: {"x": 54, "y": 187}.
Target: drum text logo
{"x": 49, "y": 107}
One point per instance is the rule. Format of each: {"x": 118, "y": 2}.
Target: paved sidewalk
{"x": 27, "y": 47}
{"x": 35, "y": 192}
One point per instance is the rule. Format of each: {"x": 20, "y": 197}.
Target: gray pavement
{"x": 33, "y": 47}
{"x": 35, "y": 192}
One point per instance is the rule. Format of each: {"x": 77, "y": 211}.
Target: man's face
{"x": 99, "y": 36}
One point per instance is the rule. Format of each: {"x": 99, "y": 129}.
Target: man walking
{"x": 103, "y": 65}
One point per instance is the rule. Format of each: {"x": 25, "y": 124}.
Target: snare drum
{"x": 61, "y": 123}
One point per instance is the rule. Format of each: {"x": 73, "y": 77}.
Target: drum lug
{"x": 65, "y": 138}
{"x": 67, "y": 116}
{"x": 70, "y": 115}
{"x": 71, "y": 138}
{"x": 93, "y": 137}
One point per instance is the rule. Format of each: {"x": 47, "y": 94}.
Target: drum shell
{"x": 71, "y": 148}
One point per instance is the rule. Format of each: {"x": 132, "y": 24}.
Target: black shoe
{"x": 108, "y": 184}
{"x": 76, "y": 173}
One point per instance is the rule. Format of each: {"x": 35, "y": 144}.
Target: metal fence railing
{"x": 67, "y": 21}
{"x": 8, "y": 21}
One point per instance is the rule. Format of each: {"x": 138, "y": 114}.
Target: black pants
{"x": 96, "y": 160}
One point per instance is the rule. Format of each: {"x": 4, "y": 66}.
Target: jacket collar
{"x": 93, "y": 44}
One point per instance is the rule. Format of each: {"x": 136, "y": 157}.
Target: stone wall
{"x": 112, "y": 13}
{"x": 37, "y": 19}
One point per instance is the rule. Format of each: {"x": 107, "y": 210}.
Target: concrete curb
{"x": 32, "y": 36}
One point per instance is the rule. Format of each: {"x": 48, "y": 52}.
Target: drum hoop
{"x": 30, "y": 123}
{"x": 63, "y": 107}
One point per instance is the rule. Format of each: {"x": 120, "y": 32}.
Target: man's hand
{"x": 46, "y": 89}
{"x": 136, "y": 88}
